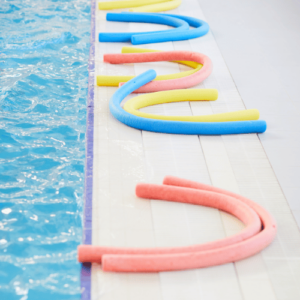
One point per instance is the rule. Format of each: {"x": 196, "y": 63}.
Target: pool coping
{"x": 85, "y": 275}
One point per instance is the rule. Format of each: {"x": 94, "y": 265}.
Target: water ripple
{"x": 44, "y": 48}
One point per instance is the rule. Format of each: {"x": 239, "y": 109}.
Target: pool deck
{"x": 261, "y": 167}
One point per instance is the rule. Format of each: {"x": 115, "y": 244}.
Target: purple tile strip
{"x": 86, "y": 268}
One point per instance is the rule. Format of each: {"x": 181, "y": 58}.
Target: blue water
{"x": 44, "y": 48}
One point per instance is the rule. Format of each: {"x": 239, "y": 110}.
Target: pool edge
{"x": 85, "y": 274}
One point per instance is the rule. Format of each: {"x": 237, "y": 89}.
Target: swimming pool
{"x": 43, "y": 60}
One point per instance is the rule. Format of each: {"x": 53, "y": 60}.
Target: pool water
{"x": 44, "y": 49}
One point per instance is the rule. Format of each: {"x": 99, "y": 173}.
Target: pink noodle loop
{"x": 170, "y": 84}
{"x": 244, "y": 244}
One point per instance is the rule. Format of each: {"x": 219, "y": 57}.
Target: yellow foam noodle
{"x": 133, "y": 105}
{"x": 104, "y": 80}
{"x": 108, "y": 5}
{"x": 167, "y": 5}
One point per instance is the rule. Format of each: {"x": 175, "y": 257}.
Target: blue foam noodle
{"x": 160, "y": 36}
{"x": 174, "y": 127}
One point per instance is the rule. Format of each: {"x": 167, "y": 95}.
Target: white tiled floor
{"x": 260, "y": 42}
{"x": 124, "y": 156}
